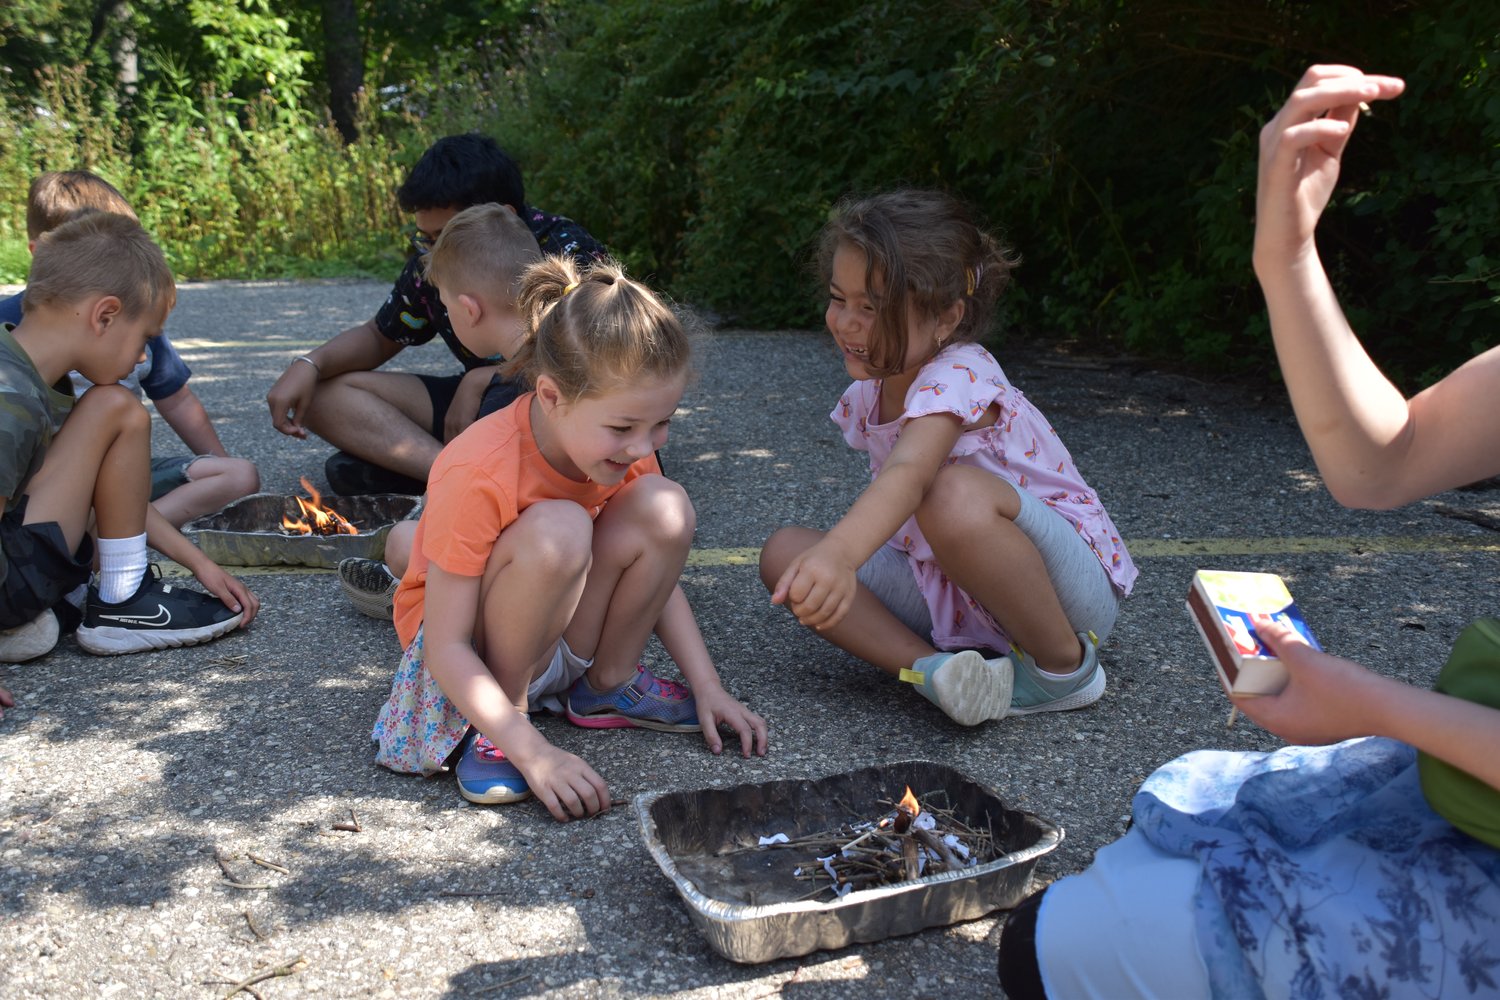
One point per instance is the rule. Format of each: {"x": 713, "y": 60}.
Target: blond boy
{"x": 98, "y": 291}
{"x": 476, "y": 265}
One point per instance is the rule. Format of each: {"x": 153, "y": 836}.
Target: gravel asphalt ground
{"x": 123, "y": 780}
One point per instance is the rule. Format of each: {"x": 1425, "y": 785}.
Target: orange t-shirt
{"x": 479, "y": 485}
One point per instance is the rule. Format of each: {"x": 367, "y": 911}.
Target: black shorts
{"x": 40, "y": 569}
{"x": 441, "y": 388}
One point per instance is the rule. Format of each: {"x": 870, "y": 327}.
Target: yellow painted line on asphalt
{"x": 1144, "y": 548}
{"x": 1160, "y": 548}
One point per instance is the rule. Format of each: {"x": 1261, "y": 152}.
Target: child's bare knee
{"x": 784, "y": 545}
{"x": 554, "y": 536}
{"x": 114, "y": 404}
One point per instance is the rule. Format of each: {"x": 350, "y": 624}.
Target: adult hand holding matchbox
{"x": 1225, "y": 606}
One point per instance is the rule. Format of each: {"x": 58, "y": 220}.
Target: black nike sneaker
{"x": 158, "y": 615}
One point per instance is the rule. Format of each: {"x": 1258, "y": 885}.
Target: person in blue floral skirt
{"x": 1321, "y": 869}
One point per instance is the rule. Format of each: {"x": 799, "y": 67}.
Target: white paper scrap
{"x": 959, "y": 847}
{"x": 779, "y": 838}
{"x": 925, "y": 821}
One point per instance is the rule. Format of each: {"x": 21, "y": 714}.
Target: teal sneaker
{"x": 1036, "y": 690}
{"x": 486, "y": 776}
{"x": 967, "y": 687}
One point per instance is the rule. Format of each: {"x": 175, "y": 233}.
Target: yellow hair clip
{"x": 969, "y": 281}
{"x": 571, "y": 286}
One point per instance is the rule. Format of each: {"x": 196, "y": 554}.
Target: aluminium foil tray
{"x": 747, "y": 903}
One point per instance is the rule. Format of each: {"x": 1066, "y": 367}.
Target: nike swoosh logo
{"x": 162, "y": 618}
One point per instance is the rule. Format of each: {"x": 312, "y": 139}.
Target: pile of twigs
{"x": 913, "y": 839}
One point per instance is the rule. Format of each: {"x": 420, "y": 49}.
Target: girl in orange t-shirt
{"x": 549, "y": 550}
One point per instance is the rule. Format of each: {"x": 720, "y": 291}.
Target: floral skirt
{"x": 418, "y": 728}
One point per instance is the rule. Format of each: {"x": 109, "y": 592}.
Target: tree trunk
{"x": 344, "y": 63}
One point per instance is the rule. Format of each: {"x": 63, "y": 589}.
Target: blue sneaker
{"x": 645, "y": 701}
{"x": 967, "y": 687}
{"x": 1037, "y": 690}
{"x": 485, "y": 775}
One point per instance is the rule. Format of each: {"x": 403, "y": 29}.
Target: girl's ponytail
{"x": 589, "y": 327}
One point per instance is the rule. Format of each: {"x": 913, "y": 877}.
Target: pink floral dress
{"x": 1020, "y": 447}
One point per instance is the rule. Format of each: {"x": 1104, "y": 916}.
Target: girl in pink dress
{"x": 978, "y": 565}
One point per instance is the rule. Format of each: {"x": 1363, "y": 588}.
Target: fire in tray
{"x": 316, "y": 519}
{"x": 904, "y": 844}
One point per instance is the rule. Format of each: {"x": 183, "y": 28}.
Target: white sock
{"x": 122, "y": 566}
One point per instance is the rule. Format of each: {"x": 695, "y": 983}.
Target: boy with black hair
{"x": 390, "y": 426}
{"x": 98, "y": 290}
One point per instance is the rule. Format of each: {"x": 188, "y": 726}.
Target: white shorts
{"x": 1124, "y": 927}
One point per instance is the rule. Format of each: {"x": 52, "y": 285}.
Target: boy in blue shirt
{"x": 98, "y": 290}
{"x": 182, "y": 486}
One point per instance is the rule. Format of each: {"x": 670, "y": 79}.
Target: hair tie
{"x": 571, "y": 285}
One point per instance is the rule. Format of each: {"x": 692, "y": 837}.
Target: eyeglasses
{"x": 421, "y": 242}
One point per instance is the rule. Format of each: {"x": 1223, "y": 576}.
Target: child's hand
{"x": 565, "y": 784}
{"x": 1327, "y": 699}
{"x": 235, "y": 595}
{"x": 717, "y": 707}
{"x": 6, "y": 701}
{"x": 818, "y": 587}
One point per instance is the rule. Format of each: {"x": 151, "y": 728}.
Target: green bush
{"x": 1114, "y": 144}
{"x": 705, "y": 141}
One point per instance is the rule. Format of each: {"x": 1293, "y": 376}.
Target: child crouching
{"x": 548, "y": 551}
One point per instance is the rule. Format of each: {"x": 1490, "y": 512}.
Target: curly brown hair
{"x": 921, "y": 247}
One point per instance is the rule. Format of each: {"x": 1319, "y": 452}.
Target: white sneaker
{"x": 967, "y": 687}
{"x": 27, "y": 642}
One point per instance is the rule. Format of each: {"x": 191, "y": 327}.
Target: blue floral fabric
{"x": 1326, "y": 874}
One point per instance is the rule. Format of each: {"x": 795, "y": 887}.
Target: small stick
{"x": 935, "y": 844}
{"x": 473, "y": 892}
{"x": 268, "y": 864}
{"x": 230, "y": 878}
{"x": 351, "y": 825}
{"x": 500, "y": 985}
{"x": 250, "y": 919}
{"x": 1234, "y": 713}
{"x": 291, "y": 968}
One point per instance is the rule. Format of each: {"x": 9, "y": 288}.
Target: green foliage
{"x": 1113, "y": 144}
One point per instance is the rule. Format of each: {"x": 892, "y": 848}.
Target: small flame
{"x": 909, "y": 803}
{"x": 324, "y": 520}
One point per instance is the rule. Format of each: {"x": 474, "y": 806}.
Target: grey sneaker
{"x": 1036, "y": 690}
{"x": 27, "y": 642}
{"x": 967, "y": 687}
{"x": 370, "y": 586}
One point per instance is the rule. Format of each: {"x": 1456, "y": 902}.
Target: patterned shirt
{"x": 414, "y": 314}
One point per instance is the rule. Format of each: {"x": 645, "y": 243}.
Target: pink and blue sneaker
{"x": 645, "y": 701}
{"x": 486, "y": 776}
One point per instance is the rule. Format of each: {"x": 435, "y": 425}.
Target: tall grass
{"x": 230, "y": 187}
